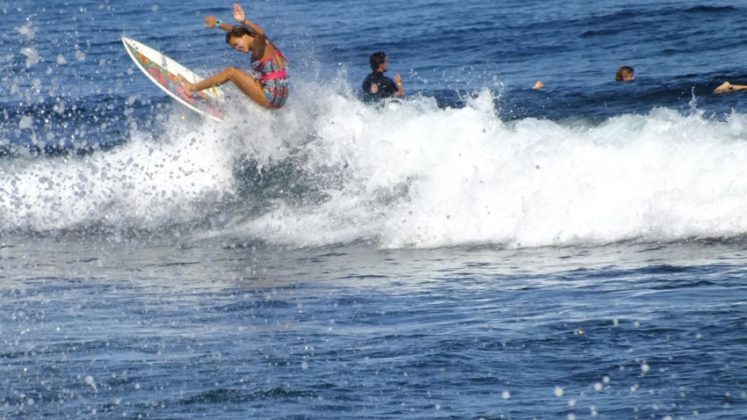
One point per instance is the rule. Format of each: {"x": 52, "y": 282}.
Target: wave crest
{"x": 329, "y": 169}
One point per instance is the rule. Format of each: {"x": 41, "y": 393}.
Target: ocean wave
{"x": 329, "y": 169}
{"x": 711, "y": 9}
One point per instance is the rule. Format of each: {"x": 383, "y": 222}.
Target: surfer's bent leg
{"x": 248, "y": 85}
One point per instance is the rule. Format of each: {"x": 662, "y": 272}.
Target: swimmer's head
{"x": 625, "y": 74}
{"x": 376, "y": 60}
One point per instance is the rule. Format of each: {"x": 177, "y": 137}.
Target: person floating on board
{"x": 376, "y": 85}
{"x": 268, "y": 86}
{"x": 729, "y": 87}
{"x": 625, "y": 74}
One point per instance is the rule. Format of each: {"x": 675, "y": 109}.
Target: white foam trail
{"x": 419, "y": 176}
{"x": 408, "y": 175}
{"x": 145, "y": 183}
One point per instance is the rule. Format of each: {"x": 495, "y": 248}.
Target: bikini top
{"x": 268, "y": 69}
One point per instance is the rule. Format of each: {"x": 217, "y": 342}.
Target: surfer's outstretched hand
{"x": 210, "y": 21}
{"x": 238, "y": 13}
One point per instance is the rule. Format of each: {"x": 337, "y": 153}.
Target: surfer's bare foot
{"x": 188, "y": 87}
{"x": 724, "y": 87}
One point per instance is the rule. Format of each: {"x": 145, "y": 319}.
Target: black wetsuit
{"x": 377, "y": 86}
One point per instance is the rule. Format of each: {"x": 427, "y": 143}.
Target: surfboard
{"x": 165, "y": 73}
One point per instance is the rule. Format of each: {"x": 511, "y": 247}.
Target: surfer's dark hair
{"x": 377, "y": 59}
{"x": 238, "y": 31}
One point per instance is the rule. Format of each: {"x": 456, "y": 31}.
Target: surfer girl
{"x": 268, "y": 85}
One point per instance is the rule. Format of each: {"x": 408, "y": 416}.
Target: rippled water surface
{"x": 478, "y": 250}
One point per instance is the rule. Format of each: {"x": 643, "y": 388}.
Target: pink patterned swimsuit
{"x": 273, "y": 77}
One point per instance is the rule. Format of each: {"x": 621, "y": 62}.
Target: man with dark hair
{"x": 377, "y": 86}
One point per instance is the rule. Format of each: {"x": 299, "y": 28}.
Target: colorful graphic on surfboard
{"x": 165, "y": 73}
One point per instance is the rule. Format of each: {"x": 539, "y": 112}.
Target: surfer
{"x": 268, "y": 85}
{"x": 378, "y": 86}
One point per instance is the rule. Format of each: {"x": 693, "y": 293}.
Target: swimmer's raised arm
{"x": 729, "y": 87}
{"x": 400, "y": 87}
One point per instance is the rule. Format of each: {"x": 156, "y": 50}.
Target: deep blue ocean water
{"x": 477, "y": 250}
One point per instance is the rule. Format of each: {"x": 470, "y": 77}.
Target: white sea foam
{"x": 32, "y": 56}
{"x": 27, "y": 30}
{"x": 409, "y": 175}
{"x": 419, "y": 176}
{"x": 146, "y": 183}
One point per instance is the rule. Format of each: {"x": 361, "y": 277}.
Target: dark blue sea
{"x": 479, "y": 249}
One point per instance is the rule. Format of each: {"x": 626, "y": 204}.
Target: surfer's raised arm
{"x": 240, "y": 16}
{"x": 212, "y": 22}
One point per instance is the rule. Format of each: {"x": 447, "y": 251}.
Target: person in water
{"x": 625, "y": 74}
{"x": 268, "y": 85}
{"x": 729, "y": 87}
{"x": 376, "y": 85}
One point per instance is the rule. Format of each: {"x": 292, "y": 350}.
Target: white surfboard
{"x": 165, "y": 73}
